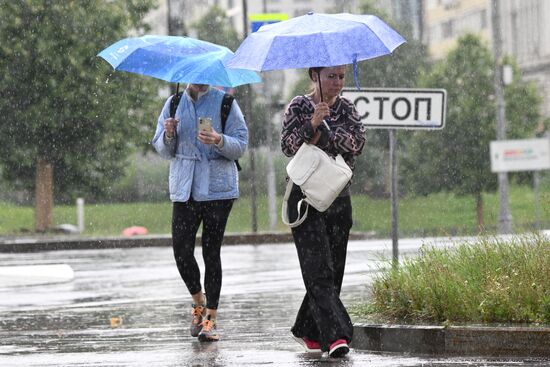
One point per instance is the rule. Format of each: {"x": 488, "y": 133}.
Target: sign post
{"x": 522, "y": 155}
{"x": 394, "y": 108}
{"x": 258, "y": 20}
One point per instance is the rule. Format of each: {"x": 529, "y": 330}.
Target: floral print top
{"x": 346, "y": 135}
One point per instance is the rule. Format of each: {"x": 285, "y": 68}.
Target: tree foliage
{"x": 401, "y": 69}
{"x": 60, "y": 102}
{"x": 456, "y": 158}
{"x": 215, "y": 26}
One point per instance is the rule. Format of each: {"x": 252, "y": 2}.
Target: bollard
{"x": 80, "y": 214}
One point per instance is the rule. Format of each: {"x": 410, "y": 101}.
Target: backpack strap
{"x": 174, "y": 102}
{"x": 227, "y": 102}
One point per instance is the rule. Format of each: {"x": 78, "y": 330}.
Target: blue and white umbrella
{"x": 178, "y": 60}
{"x": 316, "y": 40}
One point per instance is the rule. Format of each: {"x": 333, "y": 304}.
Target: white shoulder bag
{"x": 320, "y": 177}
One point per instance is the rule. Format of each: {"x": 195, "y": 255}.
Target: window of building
{"x": 450, "y": 4}
{"x": 483, "y": 18}
{"x": 447, "y": 29}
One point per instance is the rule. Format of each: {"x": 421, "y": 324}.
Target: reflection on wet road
{"x": 128, "y": 307}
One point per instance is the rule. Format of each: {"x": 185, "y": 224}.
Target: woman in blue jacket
{"x": 203, "y": 185}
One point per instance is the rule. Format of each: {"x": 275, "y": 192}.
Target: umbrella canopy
{"x": 316, "y": 40}
{"x": 178, "y": 60}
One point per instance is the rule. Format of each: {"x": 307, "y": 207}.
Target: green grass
{"x": 487, "y": 281}
{"x": 438, "y": 214}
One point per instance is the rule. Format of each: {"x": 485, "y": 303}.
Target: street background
{"x": 128, "y": 307}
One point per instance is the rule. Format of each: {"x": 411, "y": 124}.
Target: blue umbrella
{"x": 178, "y": 60}
{"x": 316, "y": 40}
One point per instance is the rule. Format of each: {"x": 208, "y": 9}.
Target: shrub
{"x": 487, "y": 281}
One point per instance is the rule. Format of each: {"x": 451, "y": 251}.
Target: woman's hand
{"x": 321, "y": 111}
{"x": 170, "y": 126}
{"x": 315, "y": 138}
{"x": 209, "y": 137}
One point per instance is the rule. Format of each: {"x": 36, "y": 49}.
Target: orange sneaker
{"x": 208, "y": 332}
{"x": 196, "y": 322}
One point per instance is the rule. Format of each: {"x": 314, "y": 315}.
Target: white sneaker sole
{"x": 339, "y": 351}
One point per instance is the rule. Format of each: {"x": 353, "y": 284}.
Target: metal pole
{"x": 394, "y": 198}
{"x": 270, "y": 164}
{"x": 80, "y": 214}
{"x": 251, "y": 151}
{"x": 505, "y": 217}
{"x": 176, "y": 26}
{"x": 536, "y": 189}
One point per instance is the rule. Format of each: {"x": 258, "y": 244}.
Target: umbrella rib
{"x": 265, "y": 52}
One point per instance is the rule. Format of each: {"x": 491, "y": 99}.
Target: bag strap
{"x": 284, "y": 210}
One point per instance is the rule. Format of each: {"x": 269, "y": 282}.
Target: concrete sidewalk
{"x": 478, "y": 341}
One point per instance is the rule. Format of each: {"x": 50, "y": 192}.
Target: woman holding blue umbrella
{"x": 332, "y": 123}
{"x": 203, "y": 184}
{"x": 202, "y": 132}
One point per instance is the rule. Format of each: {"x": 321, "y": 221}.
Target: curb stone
{"x": 68, "y": 242}
{"x": 478, "y": 341}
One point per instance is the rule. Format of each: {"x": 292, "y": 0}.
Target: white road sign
{"x": 390, "y": 108}
{"x": 520, "y": 155}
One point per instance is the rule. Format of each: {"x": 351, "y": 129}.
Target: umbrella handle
{"x": 319, "y": 80}
{"x": 321, "y": 92}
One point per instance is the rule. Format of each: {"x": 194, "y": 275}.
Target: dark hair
{"x": 315, "y": 69}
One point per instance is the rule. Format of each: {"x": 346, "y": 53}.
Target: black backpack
{"x": 227, "y": 101}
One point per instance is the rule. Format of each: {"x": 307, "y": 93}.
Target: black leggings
{"x": 321, "y": 242}
{"x": 186, "y": 219}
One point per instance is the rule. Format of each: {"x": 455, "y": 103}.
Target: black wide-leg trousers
{"x": 321, "y": 242}
{"x": 186, "y": 219}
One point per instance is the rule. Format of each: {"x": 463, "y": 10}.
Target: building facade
{"x": 439, "y": 23}
{"x": 191, "y": 10}
{"x": 525, "y": 33}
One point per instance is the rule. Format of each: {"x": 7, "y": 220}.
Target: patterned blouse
{"x": 346, "y": 135}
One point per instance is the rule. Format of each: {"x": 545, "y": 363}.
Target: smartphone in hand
{"x": 205, "y": 124}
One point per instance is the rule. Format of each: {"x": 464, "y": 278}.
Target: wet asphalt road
{"x": 128, "y": 307}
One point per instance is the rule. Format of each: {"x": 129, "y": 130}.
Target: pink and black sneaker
{"x": 338, "y": 349}
{"x": 309, "y": 345}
